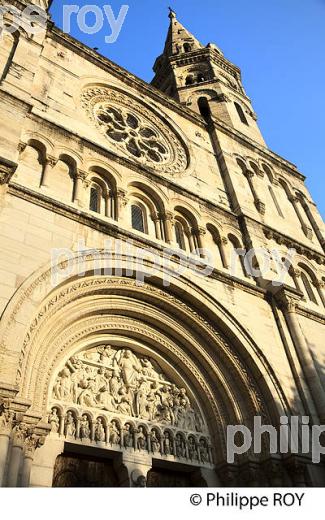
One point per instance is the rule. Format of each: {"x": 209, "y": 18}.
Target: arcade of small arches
{"x": 253, "y": 170}
{"x": 146, "y": 211}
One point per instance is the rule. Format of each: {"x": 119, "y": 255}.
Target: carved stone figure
{"x": 192, "y": 449}
{"x": 106, "y": 354}
{"x": 125, "y": 405}
{"x": 88, "y": 396}
{"x": 6, "y": 420}
{"x": 128, "y": 437}
{"x": 204, "y": 452}
{"x": 54, "y": 420}
{"x": 84, "y": 427}
{"x": 120, "y": 381}
{"x": 114, "y": 435}
{"x": 167, "y": 444}
{"x": 180, "y": 446}
{"x": 155, "y": 442}
{"x": 141, "y": 439}
{"x": 130, "y": 368}
{"x": 99, "y": 430}
{"x": 70, "y": 425}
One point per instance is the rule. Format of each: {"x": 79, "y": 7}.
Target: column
{"x": 223, "y": 242}
{"x": 6, "y": 419}
{"x": 260, "y": 206}
{"x": 198, "y": 233}
{"x": 133, "y": 469}
{"x": 121, "y": 205}
{"x": 168, "y": 219}
{"x": 320, "y": 289}
{"x": 156, "y": 220}
{"x": 78, "y": 189}
{"x": 307, "y": 230}
{"x": 19, "y": 434}
{"x": 313, "y": 222}
{"x": 32, "y": 442}
{"x": 50, "y": 162}
{"x": 289, "y": 305}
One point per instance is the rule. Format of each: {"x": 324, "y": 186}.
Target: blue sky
{"x": 278, "y": 44}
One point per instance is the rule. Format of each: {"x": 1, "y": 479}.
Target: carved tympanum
{"x": 123, "y": 383}
{"x": 135, "y": 130}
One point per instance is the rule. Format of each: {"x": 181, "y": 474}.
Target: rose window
{"x": 139, "y": 139}
{"x": 135, "y": 130}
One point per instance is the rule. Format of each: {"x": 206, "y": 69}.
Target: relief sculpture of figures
{"x": 54, "y": 420}
{"x": 120, "y": 381}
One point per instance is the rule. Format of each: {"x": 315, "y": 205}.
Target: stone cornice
{"x": 289, "y": 242}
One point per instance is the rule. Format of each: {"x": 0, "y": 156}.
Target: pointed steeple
{"x": 179, "y": 39}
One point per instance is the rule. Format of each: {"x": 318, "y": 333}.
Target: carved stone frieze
{"x": 122, "y": 382}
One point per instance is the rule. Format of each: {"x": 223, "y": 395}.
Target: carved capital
{"x": 199, "y": 231}
{"x": 6, "y": 417}
{"x": 260, "y": 206}
{"x": 80, "y": 174}
{"x": 288, "y": 299}
{"x": 121, "y": 196}
{"x": 7, "y": 169}
{"x": 22, "y": 147}
{"x": 19, "y": 434}
{"x": 32, "y": 442}
{"x": 51, "y": 161}
{"x": 169, "y": 216}
{"x": 249, "y": 173}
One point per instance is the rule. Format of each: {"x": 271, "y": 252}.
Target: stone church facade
{"x": 106, "y": 380}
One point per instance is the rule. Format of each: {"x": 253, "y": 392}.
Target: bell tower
{"x": 201, "y": 78}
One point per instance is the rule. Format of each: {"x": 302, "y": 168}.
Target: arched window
{"x": 241, "y": 113}
{"x": 189, "y": 80}
{"x": 204, "y": 108}
{"x": 138, "y": 218}
{"x": 180, "y": 236}
{"x": 308, "y": 288}
{"x": 187, "y": 47}
{"x": 95, "y": 198}
{"x": 200, "y": 77}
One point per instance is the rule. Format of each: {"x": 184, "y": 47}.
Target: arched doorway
{"x": 183, "y": 336}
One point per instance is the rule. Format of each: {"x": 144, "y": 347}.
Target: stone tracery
{"x": 135, "y": 130}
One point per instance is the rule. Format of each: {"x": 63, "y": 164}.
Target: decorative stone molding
{"x": 301, "y": 249}
{"x": 134, "y": 130}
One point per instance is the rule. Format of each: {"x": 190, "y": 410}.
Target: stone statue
{"x": 130, "y": 368}
{"x": 204, "y": 452}
{"x": 125, "y": 405}
{"x": 192, "y": 449}
{"x": 128, "y": 436}
{"x": 88, "y": 396}
{"x": 84, "y": 427}
{"x": 155, "y": 442}
{"x": 114, "y": 435}
{"x": 141, "y": 439}
{"x": 180, "y": 446}
{"x": 70, "y": 425}
{"x": 167, "y": 444}
{"x": 99, "y": 430}
{"x": 54, "y": 420}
